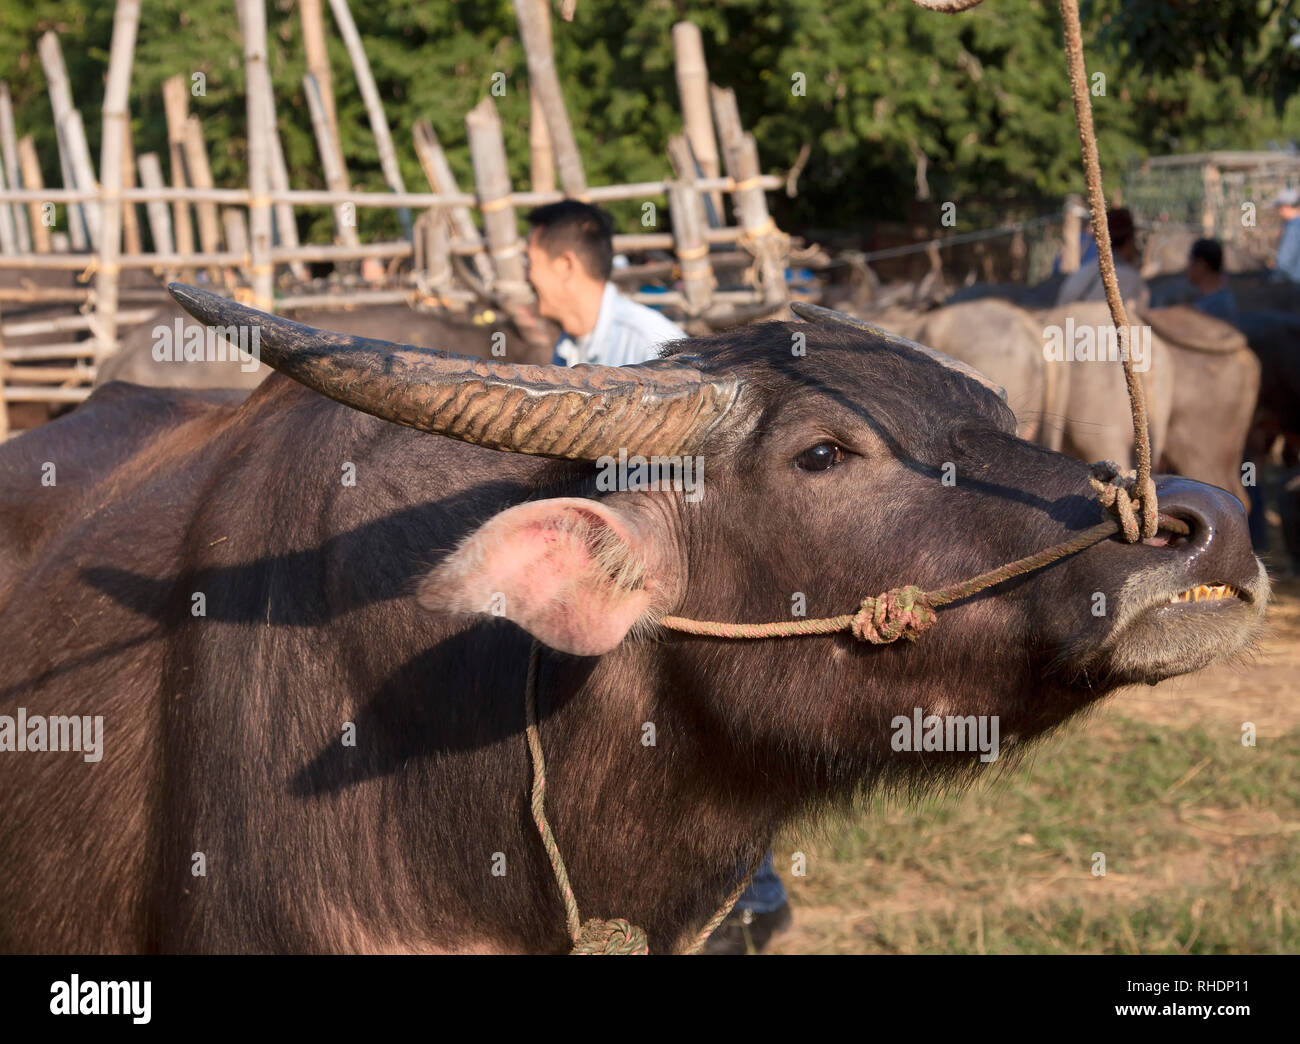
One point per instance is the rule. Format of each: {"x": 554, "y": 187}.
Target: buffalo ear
{"x": 573, "y": 573}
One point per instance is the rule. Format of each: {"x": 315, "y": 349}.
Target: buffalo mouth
{"x": 1188, "y": 600}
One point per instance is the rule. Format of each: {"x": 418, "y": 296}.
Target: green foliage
{"x": 982, "y": 96}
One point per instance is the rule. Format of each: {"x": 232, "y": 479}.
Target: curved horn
{"x": 817, "y": 314}
{"x": 577, "y": 413}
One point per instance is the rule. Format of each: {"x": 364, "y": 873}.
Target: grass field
{"x": 1201, "y": 835}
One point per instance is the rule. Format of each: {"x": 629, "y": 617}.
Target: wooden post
{"x": 492, "y": 181}
{"x": 131, "y": 242}
{"x": 437, "y": 172}
{"x": 236, "y": 229}
{"x": 262, "y": 271}
{"x": 693, "y": 90}
{"x": 286, "y": 229}
{"x": 318, "y": 64}
{"x": 692, "y": 250}
{"x": 83, "y": 173}
{"x": 9, "y": 155}
{"x": 200, "y": 173}
{"x": 541, "y": 156}
{"x": 126, "y": 18}
{"x": 70, "y": 151}
{"x": 545, "y": 84}
{"x": 726, "y": 116}
{"x": 175, "y": 104}
{"x": 74, "y": 212}
{"x": 1071, "y": 228}
{"x": 8, "y": 233}
{"x": 31, "y": 172}
{"x": 160, "y": 218}
{"x": 374, "y": 107}
{"x": 336, "y": 177}
{"x": 761, "y": 236}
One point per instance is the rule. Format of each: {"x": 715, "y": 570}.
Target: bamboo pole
{"x": 175, "y": 105}
{"x": 126, "y": 19}
{"x": 16, "y": 393}
{"x": 383, "y": 200}
{"x": 492, "y": 178}
{"x": 259, "y": 208}
{"x": 286, "y": 228}
{"x": 374, "y": 106}
{"x": 74, "y": 154}
{"x": 160, "y": 218}
{"x": 196, "y": 162}
{"x": 693, "y": 91}
{"x": 761, "y": 234}
{"x": 692, "y": 250}
{"x": 83, "y": 174}
{"x": 545, "y": 84}
{"x": 318, "y": 64}
{"x": 437, "y": 172}
{"x": 74, "y": 215}
{"x": 31, "y": 172}
{"x": 131, "y": 242}
{"x": 1071, "y": 228}
{"x": 726, "y": 117}
{"x": 336, "y": 177}
{"x": 9, "y": 155}
{"x": 8, "y": 232}
{"x": 541, "y": 155}
{"x": 66, "y": 323}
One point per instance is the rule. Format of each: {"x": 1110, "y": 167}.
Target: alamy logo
{"x": 929, "y": 732}
{"x": 651, "y": 474}
{"x": 75, "y": 997}
{"x": 182, "y": 342}
{"x": 36, "y": 732}
{"x": 1088, "y": 342}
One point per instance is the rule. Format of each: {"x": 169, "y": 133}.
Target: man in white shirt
{"x": 570, "y": 257}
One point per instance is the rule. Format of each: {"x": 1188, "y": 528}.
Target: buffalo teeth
{"x": 1204, "y": 593}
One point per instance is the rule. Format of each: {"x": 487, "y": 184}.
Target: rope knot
{"x": 1115, "y": 489}
{"x": 604, "y": 938}
{"x": 902, "y": 612}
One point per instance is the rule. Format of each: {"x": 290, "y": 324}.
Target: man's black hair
{"x": 580, "y": 227}
{"x": 1209, "y": 251}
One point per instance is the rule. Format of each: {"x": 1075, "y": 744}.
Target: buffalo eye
{"x": 823, "y": 456}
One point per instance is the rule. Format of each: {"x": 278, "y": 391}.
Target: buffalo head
{"x": 835, "y": 463}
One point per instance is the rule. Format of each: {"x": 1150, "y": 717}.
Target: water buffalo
{"x": 313, "y": 691}
{"x": 1201, "y": 383}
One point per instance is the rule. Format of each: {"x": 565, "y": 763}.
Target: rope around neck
{"x": 611, "y": 937}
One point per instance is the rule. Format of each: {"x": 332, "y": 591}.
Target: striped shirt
{"x": 625, "y": 333}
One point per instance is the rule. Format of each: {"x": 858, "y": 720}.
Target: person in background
{"x": 1084, "y": 284}
{"x": 1286, "y": 266}
{"x": 570, "y": 257}
{"x": 1205, "y": 273}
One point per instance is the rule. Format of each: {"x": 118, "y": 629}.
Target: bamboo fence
{"x": 463, "y": 252}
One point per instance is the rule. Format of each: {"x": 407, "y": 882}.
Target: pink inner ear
{"x": 567, "y": 570}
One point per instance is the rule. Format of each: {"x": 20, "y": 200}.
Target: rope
{"x": 1106, "y": 260}
{"x": 616, "y": 936}
{"x": 908, "y": 612}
